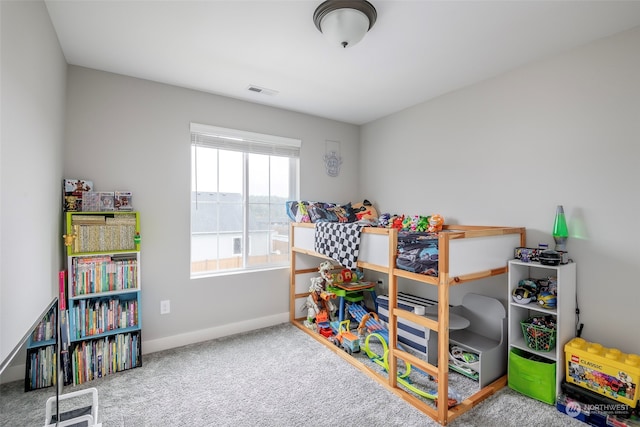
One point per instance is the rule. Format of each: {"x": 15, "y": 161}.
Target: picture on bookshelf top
{"x": 72, "y": 192}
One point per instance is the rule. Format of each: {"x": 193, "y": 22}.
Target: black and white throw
{"x": 339, "y": 241}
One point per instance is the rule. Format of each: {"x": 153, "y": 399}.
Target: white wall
{"x": 483, "y": 155}
{"x": 32, "y": 135}
{"x": 129, "y": 134}
{"x": 507, "y": 151}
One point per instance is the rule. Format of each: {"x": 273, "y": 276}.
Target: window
{"x": 240, "y": 182}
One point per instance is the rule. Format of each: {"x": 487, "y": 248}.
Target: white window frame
{"x": 246, "y": 142}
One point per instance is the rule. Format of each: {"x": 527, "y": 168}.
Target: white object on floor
{"x": 91, "y": 420}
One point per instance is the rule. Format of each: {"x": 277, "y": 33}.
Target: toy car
{"x": 347, "y": 339}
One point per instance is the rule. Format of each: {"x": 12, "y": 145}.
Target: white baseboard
{"x": 15, "y": 373}
{"x": 174, "y": 341}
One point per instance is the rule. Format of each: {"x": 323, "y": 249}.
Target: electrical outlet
{"x": 165, "y": 307}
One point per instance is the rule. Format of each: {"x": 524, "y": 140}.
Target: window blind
{"x": 246, "y": 142}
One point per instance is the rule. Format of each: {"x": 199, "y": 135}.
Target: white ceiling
{"x": 417, "y": 50}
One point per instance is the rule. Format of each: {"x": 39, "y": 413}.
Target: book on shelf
{"x": 104, "y": 356}
{"x": 62, "y": 297}
{"x": 46, "y": 328}
{"x": 122, "y": 201}
{"x": 79, "y": 219}
{"x": 64, "y": 330}
{"x": 72, "y": 192}
{"x": 107, "y": 201}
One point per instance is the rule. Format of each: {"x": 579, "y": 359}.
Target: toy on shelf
{"x": 370, "y": 326}
{"x": 403, "y": 377}
{"x": 397, "y": 222}
{"x": 385, "y": 220}
{"x": 68, "y": 239}
{"x": 436, "y": 221}
{"x": 336, "y": 274}
{"x": 346, "y": 339}
{"x": 406, "y": 223}
{"x": 423, "y": 224}
{"x": 323, "y": 324}
{"x": 319, "y": 299}
{"x": 526, "y": 292}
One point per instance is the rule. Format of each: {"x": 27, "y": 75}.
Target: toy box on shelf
{"x": 595, "y": 409}
{"x": 606, "y": 371}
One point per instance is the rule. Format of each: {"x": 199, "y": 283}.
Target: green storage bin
{"x": 532, "y": 375}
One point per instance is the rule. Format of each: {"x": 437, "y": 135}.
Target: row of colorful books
{"x": 89, "y": 318}
{"x": 79, "y": 196}
{"x": 102, "y": 238}
{"x": 46, "y": 328}
{"x": 41, "y": 367}
{"x": 103, "y": 274}
{"x": 98, "y": 358}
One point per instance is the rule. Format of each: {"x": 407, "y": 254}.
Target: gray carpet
{"x": 271, "y": 377}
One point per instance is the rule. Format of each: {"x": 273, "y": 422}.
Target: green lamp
{"x": 560, "y": 230}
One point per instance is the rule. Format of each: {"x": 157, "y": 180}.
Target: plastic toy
{"x": 397, "y": 222}
{"x": 414, "y": 222}
{"x": 522, "y": 295}
{"x": 547, "y": 300}
{"x": 337, "y": 274}
{"x": 346, "y": 339}
{"x": 436, "y": 221}
{"x": 384, "y": 220}
{"x": 526, "y": 291}
{"x": 406, "y": 223}
{"x": 68, "y": 239}
{"x": 403, "y": 377}
{"x": 318, "y": 297}
{"x": 423, "y": 223}
{"x": 324, "y": 327}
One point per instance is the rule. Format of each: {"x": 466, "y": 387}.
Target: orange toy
{"x": 436, "y": 221}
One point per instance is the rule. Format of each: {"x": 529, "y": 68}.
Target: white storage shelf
{"x": 565, "y": 311}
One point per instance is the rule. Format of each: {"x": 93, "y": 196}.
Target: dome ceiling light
{"x": 345, "y": 22}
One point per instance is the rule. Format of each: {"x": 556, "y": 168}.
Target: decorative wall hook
{"x": 332, "y": 158}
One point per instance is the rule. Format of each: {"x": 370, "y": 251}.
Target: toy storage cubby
{"x": 485, "y": 335}
{"x": 538, "y": 372}
{"x": 104, "y": 294}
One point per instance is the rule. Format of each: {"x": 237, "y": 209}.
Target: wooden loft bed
{"x": 465, "y": 254}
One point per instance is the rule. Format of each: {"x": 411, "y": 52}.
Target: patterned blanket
{"x": 339, "y": 241}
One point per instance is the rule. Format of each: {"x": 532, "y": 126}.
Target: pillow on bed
{"x": 319, "y": 212}
{"x": 305, "y": 211}
{"x": 343, "y": 213}
{"x": 298, "y": 211}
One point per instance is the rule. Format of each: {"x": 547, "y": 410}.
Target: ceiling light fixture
{"x": 345, "y": 22}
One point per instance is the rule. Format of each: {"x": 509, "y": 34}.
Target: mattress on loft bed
{"x": 409, "y": 333}
{"x": 418, "y": 252}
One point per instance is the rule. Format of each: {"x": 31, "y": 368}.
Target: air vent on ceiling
{"x": 262, "y": 90}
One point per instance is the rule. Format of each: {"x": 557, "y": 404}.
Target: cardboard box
{"x": 606, "y": 371}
